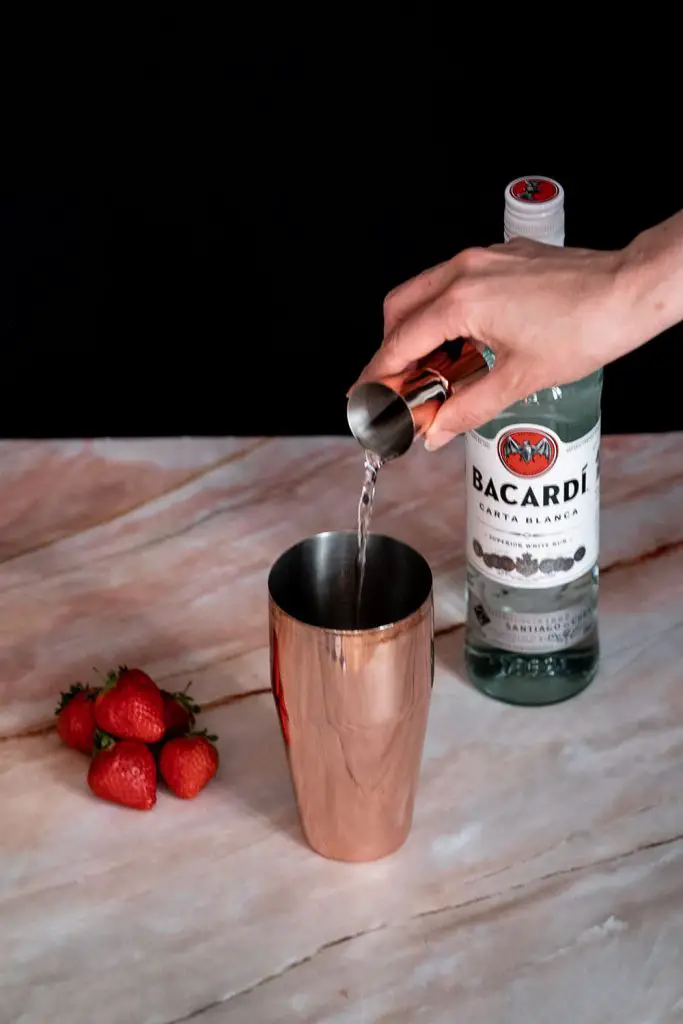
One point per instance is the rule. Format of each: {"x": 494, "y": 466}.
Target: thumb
{"x": 477, "y": 403}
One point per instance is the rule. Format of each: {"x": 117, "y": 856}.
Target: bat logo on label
{"x": 527, "y": 453}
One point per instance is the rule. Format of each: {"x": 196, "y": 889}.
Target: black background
{"x": 202, "y": 236}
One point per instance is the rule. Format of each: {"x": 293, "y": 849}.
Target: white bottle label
{"x": 531, "y": 632}
{"x": 533, "y": 505}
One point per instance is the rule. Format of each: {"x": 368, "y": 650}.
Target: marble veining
{"x": 543, "y": 879}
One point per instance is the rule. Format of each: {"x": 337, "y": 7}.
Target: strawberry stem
{"x": 183, "y": 698}
{"x": 68, "y": 695}
{"x": 205, "y": 734}
{"x": 110, "y": 681}
{"x": 103, "y": 741}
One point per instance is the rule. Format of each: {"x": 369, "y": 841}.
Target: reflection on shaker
{"x": 278, "y": 693}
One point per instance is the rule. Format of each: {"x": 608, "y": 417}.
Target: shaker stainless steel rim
{"x": 315, "y": 582}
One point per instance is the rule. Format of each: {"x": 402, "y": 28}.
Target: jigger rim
{"x": 383, "y": 627}
{"x": 362, "y": 411}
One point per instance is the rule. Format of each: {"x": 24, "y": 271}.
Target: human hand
{"x": 551, "y": 315}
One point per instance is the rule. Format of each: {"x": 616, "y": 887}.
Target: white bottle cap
{"x": 534, "y": 208}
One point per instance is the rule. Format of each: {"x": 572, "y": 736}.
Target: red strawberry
{"x": 130, "y": 706}
{"x": 76, "y": 718}
{"x": 137, "y": 676}
{"x": 187, "y": 763}
{"x": 124, "y": 771}
{"x": 179, "y": 712}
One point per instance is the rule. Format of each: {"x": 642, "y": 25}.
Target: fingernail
{"x": 356, "y": 383}
{"x": 437, "y": 439}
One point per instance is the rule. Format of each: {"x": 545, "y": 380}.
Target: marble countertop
{"x": 543, "y": 879}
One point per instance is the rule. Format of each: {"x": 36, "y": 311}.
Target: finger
{"x": 402, "y": 301}
{"x": 421, "y": 332}
{"x": 478, "y": 403}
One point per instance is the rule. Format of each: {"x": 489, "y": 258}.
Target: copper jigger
{"x": 387, "y": 416}
{"x": 352, "y": 685}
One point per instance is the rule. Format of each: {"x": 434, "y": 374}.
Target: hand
{"x": 550, "y": 315}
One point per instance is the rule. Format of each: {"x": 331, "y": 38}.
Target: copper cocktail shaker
{"x": 387, "y": 415}
{"x": 352, "y": 685}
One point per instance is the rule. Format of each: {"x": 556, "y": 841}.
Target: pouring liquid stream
{"x": 372, "y": 465}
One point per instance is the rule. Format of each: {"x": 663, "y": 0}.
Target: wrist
{"x": 650, "y": 280}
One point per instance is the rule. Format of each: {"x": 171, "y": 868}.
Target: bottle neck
{"x": 536, "y": 232}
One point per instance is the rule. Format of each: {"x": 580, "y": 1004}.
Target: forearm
{"x": 652, "y": 279}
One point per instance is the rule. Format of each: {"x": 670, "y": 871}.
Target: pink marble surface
{"x": 544, "y": 876}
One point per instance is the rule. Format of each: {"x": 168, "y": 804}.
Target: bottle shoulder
{"x": 571, "y": 410}
{"x": 561, "y": 395}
